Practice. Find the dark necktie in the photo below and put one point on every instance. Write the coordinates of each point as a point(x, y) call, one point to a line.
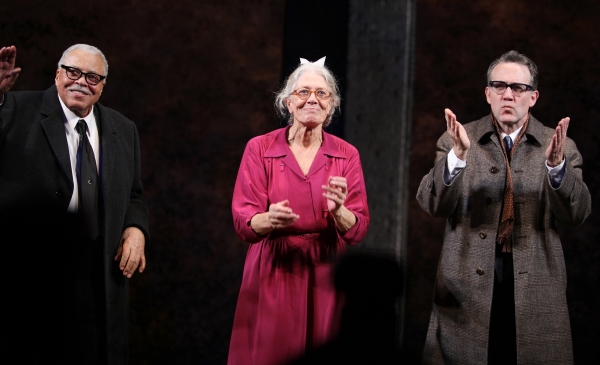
point(87, 176)
point(508, 144)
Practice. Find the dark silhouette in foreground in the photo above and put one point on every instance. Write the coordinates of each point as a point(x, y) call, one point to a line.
point(372, 284)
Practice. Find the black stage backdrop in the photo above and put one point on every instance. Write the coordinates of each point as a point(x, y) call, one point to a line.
point(198, 78)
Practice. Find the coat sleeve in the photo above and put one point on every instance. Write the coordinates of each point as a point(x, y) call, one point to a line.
point(137, 208)
point(6, 116)
point(434, 195)
point(2, 122)
point(250, 195)
point(571, 202)
point(356, 201)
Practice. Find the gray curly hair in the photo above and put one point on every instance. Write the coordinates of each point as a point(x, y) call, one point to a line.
point(290, 82)
point(87, 49)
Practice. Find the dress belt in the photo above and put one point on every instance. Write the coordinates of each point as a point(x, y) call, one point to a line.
point(308, 235)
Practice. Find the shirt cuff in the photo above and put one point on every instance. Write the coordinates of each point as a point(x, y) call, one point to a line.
point(453, 167)
point(556, 173)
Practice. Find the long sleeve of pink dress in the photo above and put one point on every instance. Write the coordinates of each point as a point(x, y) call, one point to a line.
point(287, 303)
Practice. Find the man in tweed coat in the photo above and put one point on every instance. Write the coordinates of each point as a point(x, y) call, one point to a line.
point(500, 290)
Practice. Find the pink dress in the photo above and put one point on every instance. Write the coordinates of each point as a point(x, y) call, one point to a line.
point(287, 303)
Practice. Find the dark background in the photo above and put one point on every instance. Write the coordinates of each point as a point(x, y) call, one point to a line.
point(198, 78)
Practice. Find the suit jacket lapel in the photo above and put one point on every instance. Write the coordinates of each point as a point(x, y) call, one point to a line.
point(108, 144)
point(53, 124)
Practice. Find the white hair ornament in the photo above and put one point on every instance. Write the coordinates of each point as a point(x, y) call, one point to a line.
point(320, 62)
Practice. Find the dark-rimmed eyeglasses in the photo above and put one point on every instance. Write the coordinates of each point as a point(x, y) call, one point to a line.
point(499, 87)
point(75, 74)
point(304, 93)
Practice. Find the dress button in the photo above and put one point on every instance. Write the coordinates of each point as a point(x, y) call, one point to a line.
point(89, 182)
point(480, 271)
point(493, 169)
point(59, 192)
point(482, 235)
point(488, 201)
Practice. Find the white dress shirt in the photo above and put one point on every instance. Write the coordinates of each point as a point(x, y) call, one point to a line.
point(73, 142)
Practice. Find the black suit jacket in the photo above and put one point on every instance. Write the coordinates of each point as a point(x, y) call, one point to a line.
point(41, 260)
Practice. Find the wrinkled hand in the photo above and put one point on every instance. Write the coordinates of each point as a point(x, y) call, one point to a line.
point(131, 251)
point(280, 215)
point(458, 134)
point(8, 72)
point(554, 153)
point(335, 192)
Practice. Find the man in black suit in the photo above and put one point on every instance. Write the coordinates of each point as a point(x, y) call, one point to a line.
point(67, 256)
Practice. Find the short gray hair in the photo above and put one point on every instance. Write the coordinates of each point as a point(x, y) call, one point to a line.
point(290, 82)
point(87, 49)
point(516, 57)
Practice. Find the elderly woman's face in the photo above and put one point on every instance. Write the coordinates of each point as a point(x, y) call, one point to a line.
point(314, 110)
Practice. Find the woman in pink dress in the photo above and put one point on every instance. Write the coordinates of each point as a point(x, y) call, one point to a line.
point(299, 200)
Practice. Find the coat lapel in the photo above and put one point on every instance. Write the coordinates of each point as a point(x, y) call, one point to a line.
point(53, 125)
point(529, 147)
point(489, 141)
point(108, 144)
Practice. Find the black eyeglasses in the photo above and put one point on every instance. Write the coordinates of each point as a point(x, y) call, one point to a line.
point(75, 74)
point(304, 93)
point(517, 89)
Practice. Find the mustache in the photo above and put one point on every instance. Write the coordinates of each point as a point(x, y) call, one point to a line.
point(80, 89)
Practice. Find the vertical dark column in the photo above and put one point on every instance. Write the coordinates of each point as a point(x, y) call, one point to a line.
point(379, 92)
point(370, 48)
point(313, 29)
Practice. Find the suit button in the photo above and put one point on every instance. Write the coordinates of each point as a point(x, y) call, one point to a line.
point(494, 169)
point(59, 192)
point(488, 201)
point(482, 235)
point(480, 271)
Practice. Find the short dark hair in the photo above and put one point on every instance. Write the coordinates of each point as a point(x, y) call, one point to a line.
point(516, 57)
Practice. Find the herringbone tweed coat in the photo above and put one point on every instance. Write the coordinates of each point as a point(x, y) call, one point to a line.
point(472, 203)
